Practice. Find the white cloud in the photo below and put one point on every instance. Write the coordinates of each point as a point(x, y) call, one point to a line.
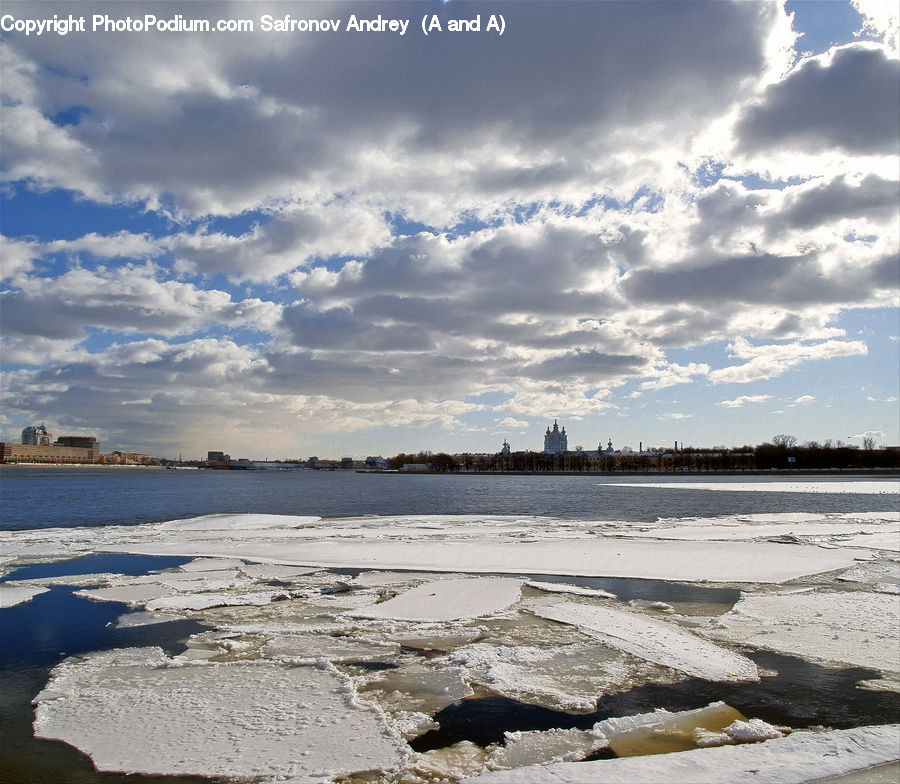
point(672, 374)
point(129, 298)
point(513, 423)
point(881, 16)
point(769, 361)
point(742, 400)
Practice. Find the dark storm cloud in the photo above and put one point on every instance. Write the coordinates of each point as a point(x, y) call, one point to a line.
point(852, 103)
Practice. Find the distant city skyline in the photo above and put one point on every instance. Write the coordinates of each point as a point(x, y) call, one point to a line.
point(654, 222)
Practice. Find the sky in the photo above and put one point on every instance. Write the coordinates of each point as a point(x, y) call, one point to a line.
point(652, 222)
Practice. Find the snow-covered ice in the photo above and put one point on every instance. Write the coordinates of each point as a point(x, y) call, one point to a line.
point(448, 600)
point(451, 607)
point(858, 627)
point(566, 677)
point(136, 710)
point(201, 601)
point(572, 589)
point(11, 595)
point(472, 545)
point(654, 640)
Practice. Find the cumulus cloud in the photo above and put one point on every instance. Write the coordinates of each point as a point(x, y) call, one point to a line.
point(489, 127)
point(293, 239)
point(846, 99)
point(126, 299)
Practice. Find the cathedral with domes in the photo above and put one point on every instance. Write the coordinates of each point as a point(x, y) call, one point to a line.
point(556, 442)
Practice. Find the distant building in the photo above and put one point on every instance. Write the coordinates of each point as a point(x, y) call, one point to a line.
point(556, 442)
point(81, 442)
point(217, 457)
point(49, 453)
point(377, 462)
point(37, 435)
point(507, 449)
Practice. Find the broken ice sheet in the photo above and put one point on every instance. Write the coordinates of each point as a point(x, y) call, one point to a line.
point(104, 578)
point(436, 640)
point(654, 640)
point(131, 620)
point(11, 595)
point(852, 627)
point(203, 600)
point(279, 572)
point(330, 647)
point(136, 710)
point(127, 594)
point(211, 564)
point(538, 748)
point(662, 732)
point(567, 677)
point(422, 686)
point(448, 600)
point(884, 572)
point(572, 589)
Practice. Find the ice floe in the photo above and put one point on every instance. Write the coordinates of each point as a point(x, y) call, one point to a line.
point(136, 710)
point(858, 627)
point(572, 589)
point(311, 647)
point(566, 677)
point(654, 640)
point(521, 749)
point(11, 595)
point(202, 601)
point(448, 600)
point(133, 595)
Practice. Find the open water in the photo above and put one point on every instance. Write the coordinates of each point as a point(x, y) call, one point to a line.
point(60, 497)
point(37, 635)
